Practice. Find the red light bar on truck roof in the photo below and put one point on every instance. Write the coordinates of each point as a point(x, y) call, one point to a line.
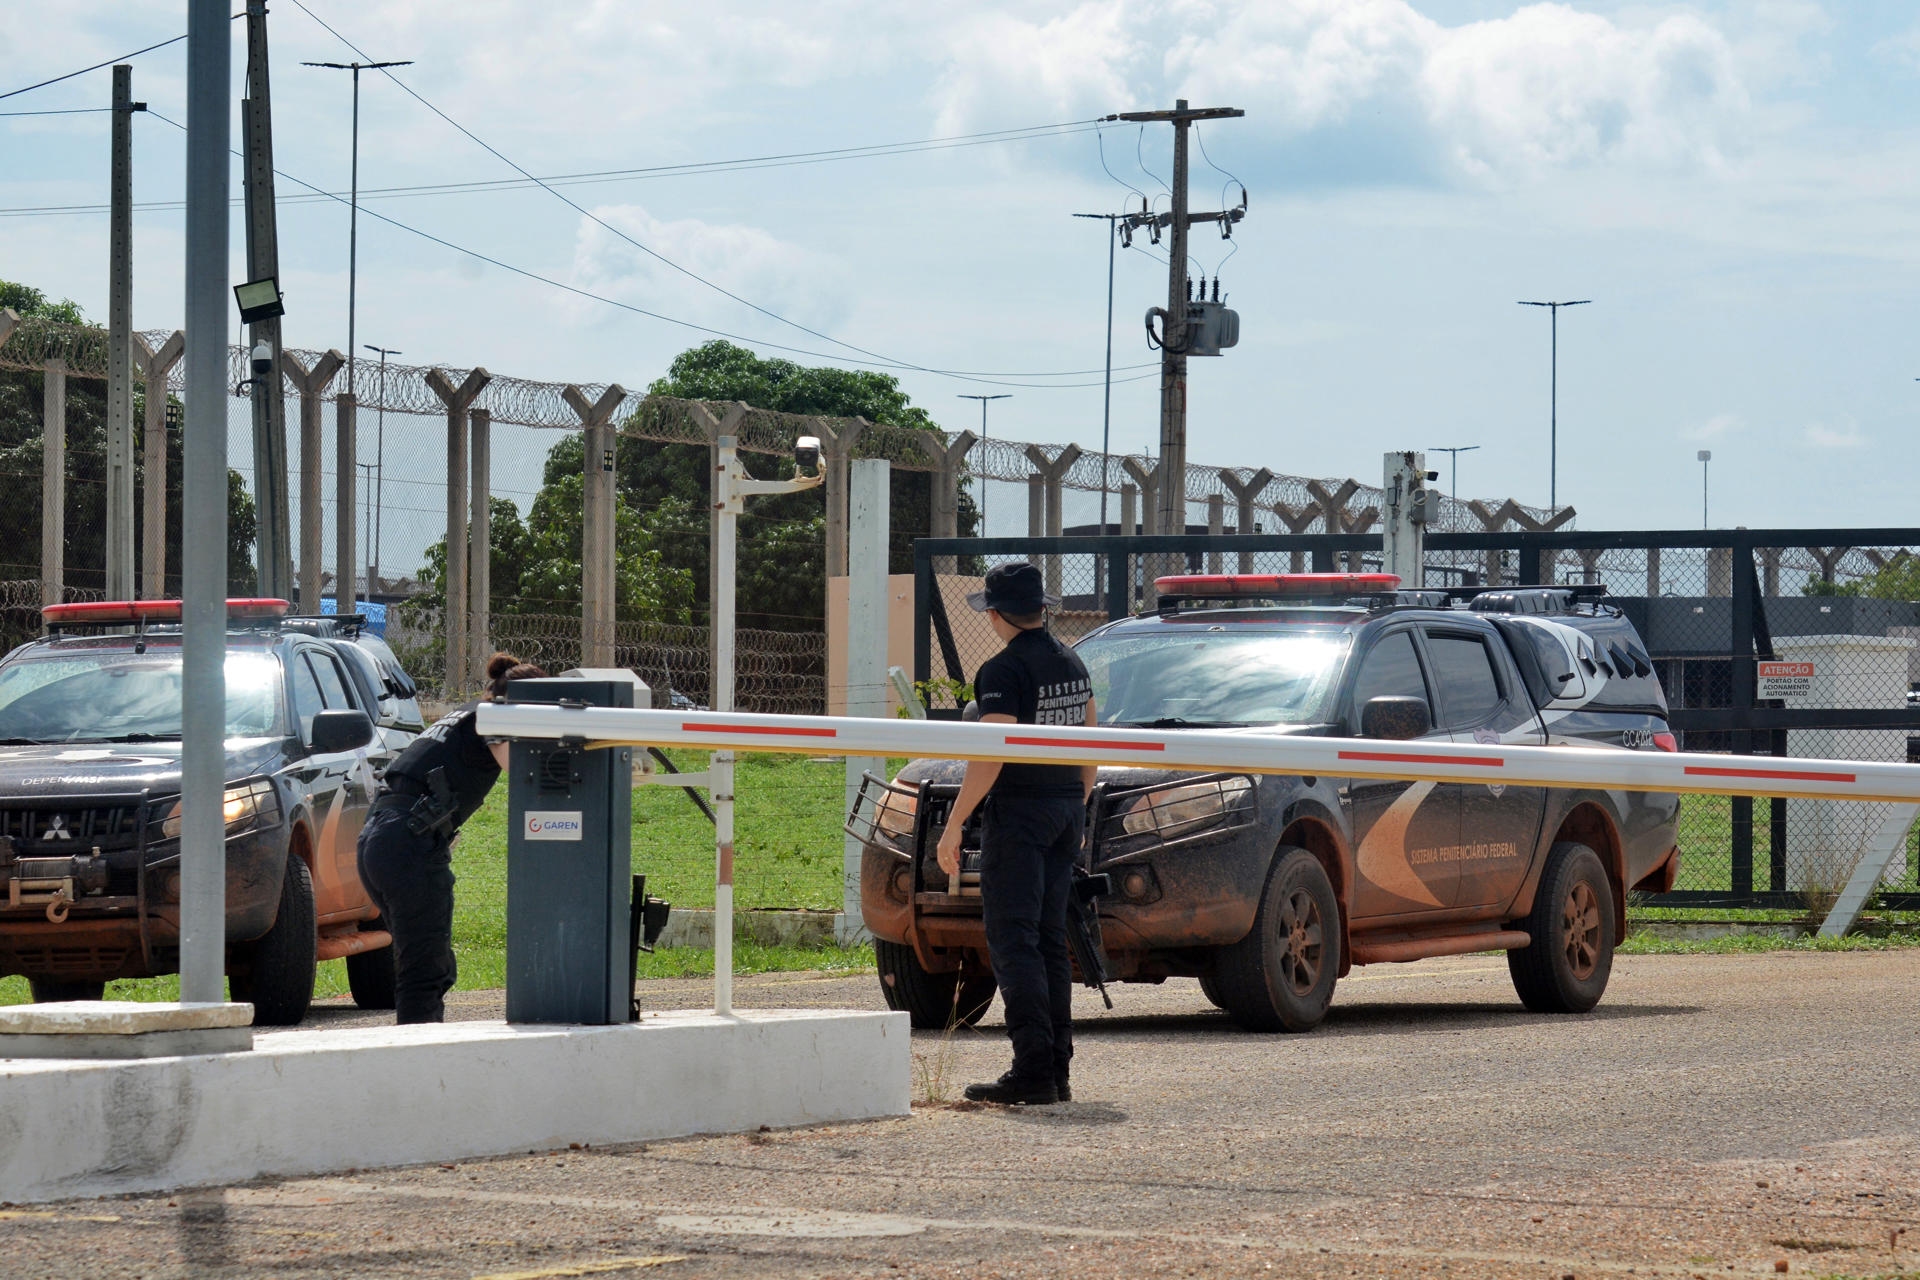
point(116, 612)
point(1203, 586)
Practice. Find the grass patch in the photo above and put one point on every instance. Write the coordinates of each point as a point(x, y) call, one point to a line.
point(1641, 944)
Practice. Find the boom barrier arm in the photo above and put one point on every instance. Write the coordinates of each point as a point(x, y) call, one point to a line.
point(1212, 750)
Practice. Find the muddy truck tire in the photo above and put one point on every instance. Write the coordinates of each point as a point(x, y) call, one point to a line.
point(1566, 967)
point(1280, 976)
point(50, 990)
point(931, 1001)
point(275, 972)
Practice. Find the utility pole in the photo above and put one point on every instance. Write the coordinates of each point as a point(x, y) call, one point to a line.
point(380, 468)
point(1704, 456)
point(1106, 413)
point(119, 557)
point(1008, 395)
point(1174, 337)
point(1553, 410)
point(275, 524)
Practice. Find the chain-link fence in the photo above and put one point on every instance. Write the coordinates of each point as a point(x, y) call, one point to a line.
point(1772, 643)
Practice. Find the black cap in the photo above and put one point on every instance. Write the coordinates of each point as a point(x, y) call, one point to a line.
point(1013, 588)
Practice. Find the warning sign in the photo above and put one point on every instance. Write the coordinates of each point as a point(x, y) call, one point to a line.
point(1786, 679)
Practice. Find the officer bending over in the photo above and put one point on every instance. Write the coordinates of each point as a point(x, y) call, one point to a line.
point(433, 787)
point(1031, 831)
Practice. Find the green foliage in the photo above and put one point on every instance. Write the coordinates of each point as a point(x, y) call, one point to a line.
point(959, 692)
point(29, 303)
point(1898, 579)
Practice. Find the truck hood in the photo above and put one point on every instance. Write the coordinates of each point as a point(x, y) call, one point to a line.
point(81, 769)
point(1116, 776)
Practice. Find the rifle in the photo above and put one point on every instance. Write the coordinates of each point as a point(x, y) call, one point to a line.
point(1083, 929)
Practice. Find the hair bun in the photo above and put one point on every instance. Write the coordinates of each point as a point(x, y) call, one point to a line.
point(499, 664)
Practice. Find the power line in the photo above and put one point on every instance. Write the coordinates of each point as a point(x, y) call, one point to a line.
point(884, 361)
point(598, 177)
point(962, 375)
point(70, 111)
point(95, 67)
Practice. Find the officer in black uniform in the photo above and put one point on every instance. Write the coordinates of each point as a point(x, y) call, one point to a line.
point(1031, 831)
point(405, 851)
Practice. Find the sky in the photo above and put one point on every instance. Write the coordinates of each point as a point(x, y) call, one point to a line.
point(1735, 186)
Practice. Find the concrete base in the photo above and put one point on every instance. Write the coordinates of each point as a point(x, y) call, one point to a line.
point(123, 1029)
point(143, 1044)
point(310, 1102)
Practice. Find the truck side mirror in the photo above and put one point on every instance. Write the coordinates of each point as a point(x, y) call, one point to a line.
point(1395, 719)
point(341, 731)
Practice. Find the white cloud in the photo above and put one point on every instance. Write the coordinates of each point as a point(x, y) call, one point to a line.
point(1823, 435)
point(1719, 426)
point(1902, 48)
point(792, 281)
point(1074, 65)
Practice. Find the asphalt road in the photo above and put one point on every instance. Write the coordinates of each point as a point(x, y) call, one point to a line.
point(1716, 1116)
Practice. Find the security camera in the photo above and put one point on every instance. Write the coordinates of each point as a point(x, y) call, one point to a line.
point(262, 358)
point(806, 454)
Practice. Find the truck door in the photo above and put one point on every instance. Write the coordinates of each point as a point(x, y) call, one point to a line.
point(341, 786)
point(1482, 701)
point(1400, 828)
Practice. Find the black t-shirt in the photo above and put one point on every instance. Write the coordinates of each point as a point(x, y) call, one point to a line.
point(1036, 680)
point(451, 744)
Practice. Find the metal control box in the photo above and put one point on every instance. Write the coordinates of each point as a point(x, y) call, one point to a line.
point(569, 865)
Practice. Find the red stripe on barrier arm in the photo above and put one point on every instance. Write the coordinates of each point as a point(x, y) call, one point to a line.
point(1101, 746)
point(760, 730)
point(1396, 757)
point(1784, 775)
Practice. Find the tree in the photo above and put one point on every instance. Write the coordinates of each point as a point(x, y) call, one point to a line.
point(1898, 579)
point(22, 404)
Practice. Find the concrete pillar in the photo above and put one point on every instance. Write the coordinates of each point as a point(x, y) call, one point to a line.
point(837, 438)
point(1296, 520)
point(1590, 565)
point(1151, 566)
point(480, 542)
point(9, 321)
point(310, 383)
point(119, 522)
point(458, 679)
point(1828, 558)
point(1720, 571)
point(53, 483)
point(1770, 571)
point(1333, 504)
point(1051, 474)
point(346, 477)
point(153, 367)
point(1359, 522)
point(866, 671)
point(1246, 500)
point(1216, 527)
point(1129, 521)
point(1492, 520)
point(1653, 573)
point(598, 509)
point(948, 457)
point(716, 427)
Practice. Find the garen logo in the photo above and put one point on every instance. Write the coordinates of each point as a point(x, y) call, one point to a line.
point(553, 824)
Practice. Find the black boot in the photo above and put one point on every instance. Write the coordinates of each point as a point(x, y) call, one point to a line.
point(1010, 1090)
point(1062, 1090)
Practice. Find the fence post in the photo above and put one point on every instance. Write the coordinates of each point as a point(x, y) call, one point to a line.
point(1770, 563)
point(1128, 522)
point(1216, 527)
point(1246, 499)
point(310, 383)
point(1149, 481)
point(944, 498)
point(53, 483)
point(457, 401)
point(598, 522)
point(479, 541)
point(1051, 474)
point(1745, 685)
point(837, 438)
point(346, 478)
point(1653, 573)
point(866, 656)
point(1296, 522)
point(154, 366)
point(1119, 585)
point(9, 321)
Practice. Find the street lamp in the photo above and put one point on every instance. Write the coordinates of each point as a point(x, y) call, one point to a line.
point(1553, 421)
point(983, 439)
point(353, 200)
point(380, 473)
point(1106, 413)
point(1453, 453)
point(1705, 456)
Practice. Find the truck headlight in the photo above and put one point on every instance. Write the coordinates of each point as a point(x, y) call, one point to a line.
point(894, 814)
point(1186, 810)
point(244, 806)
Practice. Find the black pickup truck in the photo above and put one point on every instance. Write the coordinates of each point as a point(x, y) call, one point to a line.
point(1270, 888)
point(90, 720)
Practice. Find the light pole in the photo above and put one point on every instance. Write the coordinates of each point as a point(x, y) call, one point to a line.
point(1453, 454)
point(983, 439)
point(380, 471)
point(366, 478)
point(1106, 413)
point(1553, 421)
point(1705, 456)
point(353, 200)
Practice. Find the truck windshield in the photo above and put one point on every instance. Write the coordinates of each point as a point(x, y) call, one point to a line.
point(1202, 679)
point(127, 697)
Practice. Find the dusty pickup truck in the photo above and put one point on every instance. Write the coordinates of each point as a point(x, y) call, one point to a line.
point(1268, 889)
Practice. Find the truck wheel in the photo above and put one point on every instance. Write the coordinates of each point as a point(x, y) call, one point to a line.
point(1210, 988)
point(370, 975)
point(48, 990)
point(1565, 969)
point(276, 971)
point(1280, 976)
point(931, 1001)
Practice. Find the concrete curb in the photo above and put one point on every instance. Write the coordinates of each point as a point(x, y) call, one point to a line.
point(694, 928)
point(1706, 930)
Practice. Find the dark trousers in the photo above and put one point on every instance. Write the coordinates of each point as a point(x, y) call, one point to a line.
point(1027, 849)
point(410, 878)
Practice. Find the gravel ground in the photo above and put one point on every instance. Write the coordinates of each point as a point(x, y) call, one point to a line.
point(1718, 1115)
